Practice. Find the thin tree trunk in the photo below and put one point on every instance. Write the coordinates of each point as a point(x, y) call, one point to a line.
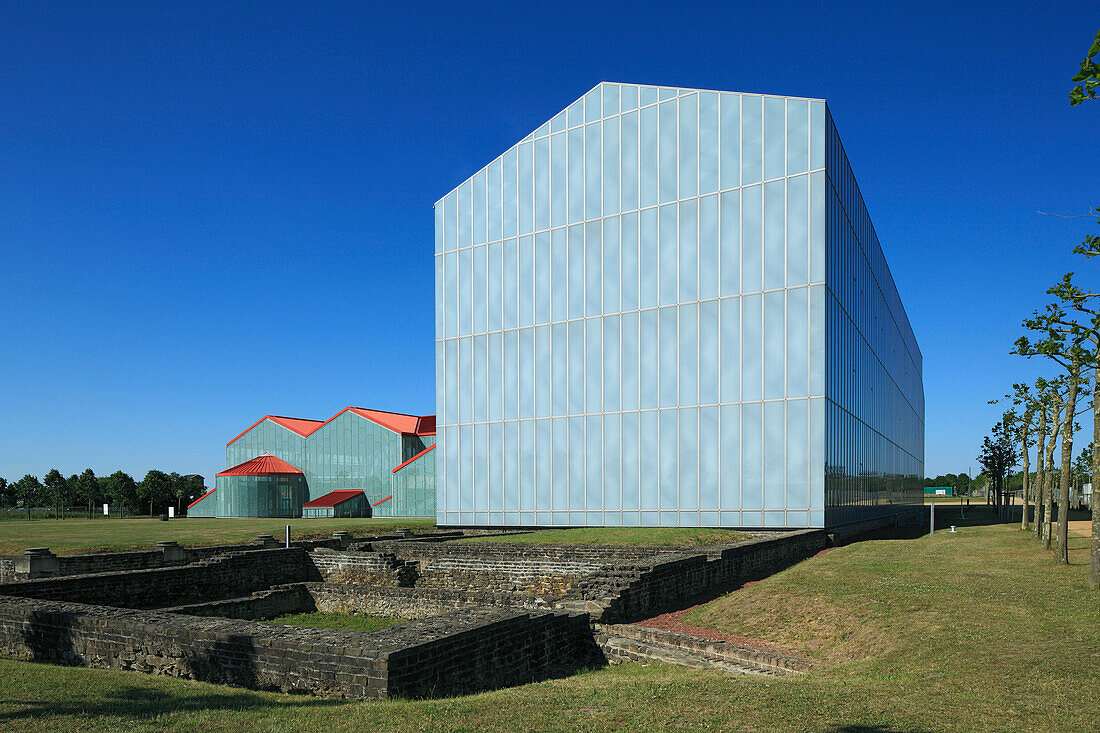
point(1040, 473)
point(1063, 479)
point(1094, 559)
point(1023, 495)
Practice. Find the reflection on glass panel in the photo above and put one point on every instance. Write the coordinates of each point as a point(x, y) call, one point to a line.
point(592, 105)
point(465, 213)
point(668, 450)
point(495, 374)
point(479, 288)
point(465, 284)
point(669, 357)
point(542, 183)
point(797, 444)
point(797, 233)
point(751, 347)
point(709, 457)
point(478, 378)
point(817, 227)
point(543, 384)
point(774, 247)
point(648, 258)
point(611, 166)
point(452, 396)
point(629, 96)
point(688, 455)
point(559, 356)
point(668, 255)
point(525, 182)
point(560, 479)
point(576, 463)
point(649, 156)
point(751, 142)
point(576, 113)
point(752, 431)
point(709, 152)
point(543, 467)
point(439, 227)
point(559, 174)
point(731, 242)
point(611, 376)
point(576, 271)
point(465, 380)
point(817, 453)
point(510, 385)
point(611, 264)
point(612, 454)
point(817, 340)
point(689, 354)
point(576, 175)
point(731, 349)
point(450, 270)
point(495, 286)
point(689, 251)
point(628, 178)
point(774, 465)
point(450, 230)
point(709, 352)
point(526, 464)
point(593, 333)
point(709, 247)
point(668, 151)
point(648, 465)
point(542, 277)
point(492, 196)
point(689, 145)
point(629, 460)
point(559, 276)
point(628, 270)
point(629, 369)
point(509, 201)
point(730, 140)
point(526, 376)
point(610, 99)
point(775, 137)
point(798, 136)
point(817, 135)
point(592, 171)
point(649, 357)
point(751, 238)
point(511, 466)
point(798, 341)
point(466, 468)
point(525, 284)
point(593, 257)
point(478, 207)
point(774, 343)
point(594, 462)
point(576, 367)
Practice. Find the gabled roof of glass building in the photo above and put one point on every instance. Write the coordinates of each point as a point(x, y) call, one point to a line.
point(333, 498)
point(265, 465)
point(576, 113)
point(396, 421)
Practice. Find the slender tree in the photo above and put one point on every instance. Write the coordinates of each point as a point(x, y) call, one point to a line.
point(28, 490)
point(56, 490)
point(998, 455)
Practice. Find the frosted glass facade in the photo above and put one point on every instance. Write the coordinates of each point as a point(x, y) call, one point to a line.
point(631, 321)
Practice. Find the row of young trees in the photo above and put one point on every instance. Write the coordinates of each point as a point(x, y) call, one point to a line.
point(1066, 333)
point(157, 491)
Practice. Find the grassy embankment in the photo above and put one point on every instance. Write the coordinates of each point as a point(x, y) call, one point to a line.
point(973, 631)
point(76, 536)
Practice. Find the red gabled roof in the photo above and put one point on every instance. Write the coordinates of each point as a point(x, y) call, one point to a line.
point(196, 501)
point(426, 450)
point(264, 465)
point(298, 425)
point(333, 498)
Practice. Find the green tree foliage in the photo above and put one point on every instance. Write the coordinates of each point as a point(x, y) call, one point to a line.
point(155, 490)
point(1088, 77)
point(28, 490)
point(56, 489)
point(7, 493)
point(85, 489)
point(998, 456)
point(120, 489)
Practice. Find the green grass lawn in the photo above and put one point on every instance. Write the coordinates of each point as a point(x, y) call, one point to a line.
point(76, 536)
point(977, 631)
point(668, 536)
point(344, 621)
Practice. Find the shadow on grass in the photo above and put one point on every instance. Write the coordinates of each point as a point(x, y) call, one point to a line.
point(874, 729)
point(146, 703)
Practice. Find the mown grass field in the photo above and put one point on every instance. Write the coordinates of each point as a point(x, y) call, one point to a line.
point(75, 536)
point(630, 536)
point(977, 631)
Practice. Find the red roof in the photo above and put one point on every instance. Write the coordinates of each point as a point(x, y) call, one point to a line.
point(196, 501)
point(333, 498)
point(396, 421)
point(264, 465)
point(429, 448)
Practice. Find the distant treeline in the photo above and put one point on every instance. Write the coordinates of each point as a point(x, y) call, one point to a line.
point(154, 493)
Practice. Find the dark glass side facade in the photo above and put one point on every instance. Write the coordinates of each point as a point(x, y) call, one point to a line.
point(874, 391)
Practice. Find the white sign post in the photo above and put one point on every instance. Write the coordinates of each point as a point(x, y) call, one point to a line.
point(171, 512)
point(106, 510)
point(932, 520)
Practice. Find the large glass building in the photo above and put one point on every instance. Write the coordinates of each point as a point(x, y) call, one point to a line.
point(358, 462)
point(668, 307)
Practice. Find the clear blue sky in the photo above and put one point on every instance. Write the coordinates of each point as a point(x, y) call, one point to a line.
point(209, 213)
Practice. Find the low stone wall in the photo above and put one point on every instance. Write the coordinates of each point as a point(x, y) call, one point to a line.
point(540, 577)
point(363, 568)
point(411, 603)
point(277, 601)
point(207, 580)
point(477, 650)
point(600, 554)
point(7, 569)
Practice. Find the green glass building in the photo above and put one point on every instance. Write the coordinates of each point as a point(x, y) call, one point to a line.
point(279, 464)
